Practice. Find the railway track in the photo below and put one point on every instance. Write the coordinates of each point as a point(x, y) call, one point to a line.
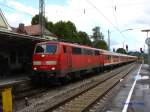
point(21, 100)
point(82, 102)
point(55, 101)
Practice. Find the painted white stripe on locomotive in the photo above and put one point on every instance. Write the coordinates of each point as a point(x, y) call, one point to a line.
point(37, 62)
point(51, 62)
point(46, 63)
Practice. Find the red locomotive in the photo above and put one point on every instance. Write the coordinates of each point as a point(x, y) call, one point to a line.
point(60, 59)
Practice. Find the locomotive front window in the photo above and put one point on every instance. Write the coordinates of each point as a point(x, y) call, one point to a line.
point(46, 49)
point(51, 49)
point(40, 49)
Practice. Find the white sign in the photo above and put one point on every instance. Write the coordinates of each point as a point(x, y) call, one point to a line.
point(147, 41)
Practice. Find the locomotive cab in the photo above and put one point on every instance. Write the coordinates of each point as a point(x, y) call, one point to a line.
point(45, 59)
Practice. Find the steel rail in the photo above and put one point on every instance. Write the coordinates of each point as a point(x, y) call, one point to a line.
point(81, 96)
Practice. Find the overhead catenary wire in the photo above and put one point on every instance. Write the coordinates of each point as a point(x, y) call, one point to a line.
point(11, 8)
point(29, 14)
point(115, 8)
point(100, 12)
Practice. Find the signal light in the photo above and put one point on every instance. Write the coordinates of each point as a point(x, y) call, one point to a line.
point(126, 47)
point(42, 55)
point(141, 50)
point(34, 68)
point(53, 68)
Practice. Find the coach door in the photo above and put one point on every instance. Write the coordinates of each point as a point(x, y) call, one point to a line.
point(102, 59)
point(69, 57)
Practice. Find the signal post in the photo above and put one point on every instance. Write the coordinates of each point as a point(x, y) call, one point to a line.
point(147, 41)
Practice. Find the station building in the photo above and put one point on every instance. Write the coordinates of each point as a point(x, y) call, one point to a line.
point(17, 47)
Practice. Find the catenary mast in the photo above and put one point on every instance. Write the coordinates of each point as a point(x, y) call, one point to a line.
point(42, 16)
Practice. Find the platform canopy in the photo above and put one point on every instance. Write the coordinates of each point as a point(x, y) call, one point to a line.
point(9, 39)
point(3, 23)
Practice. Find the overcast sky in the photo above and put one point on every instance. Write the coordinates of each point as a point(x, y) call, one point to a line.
point(115, 15)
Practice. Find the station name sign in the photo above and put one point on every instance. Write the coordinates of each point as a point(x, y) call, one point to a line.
point(147, 41)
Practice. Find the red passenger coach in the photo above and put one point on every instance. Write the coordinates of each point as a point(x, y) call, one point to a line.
point(59, 59)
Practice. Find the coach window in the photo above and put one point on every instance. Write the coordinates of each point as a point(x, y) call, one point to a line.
point(96, 52)
point(88, 52)
point(76, 50)
point(64, 49)
point(108, 57)
point(84, 51)
point(92, 52)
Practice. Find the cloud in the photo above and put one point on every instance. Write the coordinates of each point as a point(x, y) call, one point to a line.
point(17, 18)
point(141, 13)
point(108, 14)
point(22, 8)
point(85, 15)
point(113, 42)
point(143, 19)
point(19, 13)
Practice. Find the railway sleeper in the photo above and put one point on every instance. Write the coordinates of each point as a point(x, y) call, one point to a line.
point(83, 101)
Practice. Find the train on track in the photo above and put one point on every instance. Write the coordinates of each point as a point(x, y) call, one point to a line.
point(62, 60)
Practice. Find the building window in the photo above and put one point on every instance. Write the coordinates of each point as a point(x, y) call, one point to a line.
point(13, 57)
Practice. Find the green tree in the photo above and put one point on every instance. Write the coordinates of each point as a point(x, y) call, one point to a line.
point(67, 30)
point(60, 29)
point(35, 20)
point(84, 38)
point(64, 30)
point(98, 38)
point(101, 44)
point(121, 50)
point(71, 28)
point(50, 26)
point(97, 35)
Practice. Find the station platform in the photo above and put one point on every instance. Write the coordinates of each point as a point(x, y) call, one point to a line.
point(7, 84)
point(134, 94)
point(13, 80)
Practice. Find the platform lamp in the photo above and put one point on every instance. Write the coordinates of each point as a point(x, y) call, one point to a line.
point(147, 41)
point(124, 40)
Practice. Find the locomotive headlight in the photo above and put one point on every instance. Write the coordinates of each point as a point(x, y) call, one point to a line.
point(34, 68)
point(42, 55)
point(53, 68)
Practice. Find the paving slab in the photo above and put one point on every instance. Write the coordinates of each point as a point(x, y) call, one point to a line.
point(140, 96)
